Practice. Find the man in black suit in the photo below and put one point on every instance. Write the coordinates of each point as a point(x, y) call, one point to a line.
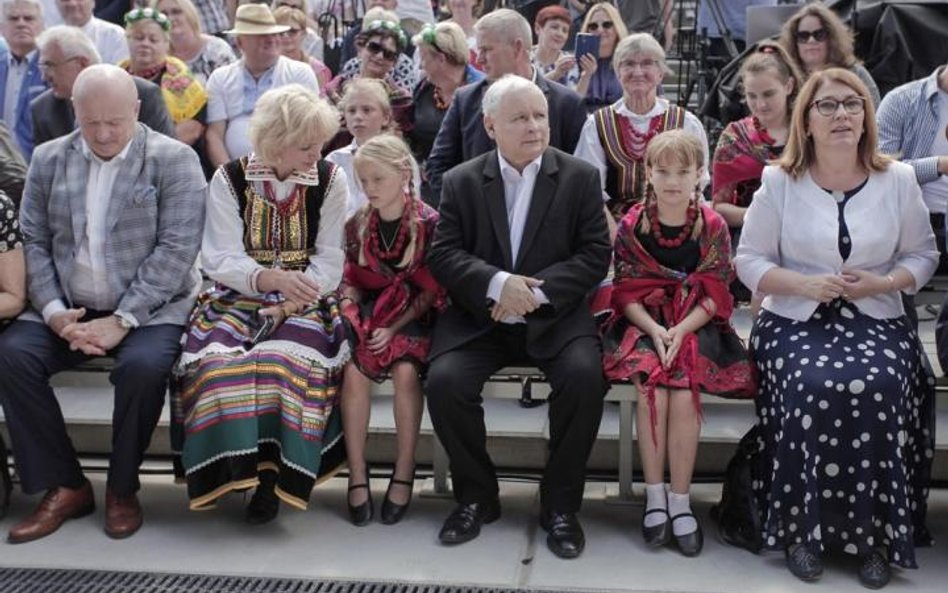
point(504, 39)
point(518, 297)
point(64, 53)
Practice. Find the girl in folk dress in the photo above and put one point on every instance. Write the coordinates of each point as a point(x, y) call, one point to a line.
point(388, 295)
point(671, 333)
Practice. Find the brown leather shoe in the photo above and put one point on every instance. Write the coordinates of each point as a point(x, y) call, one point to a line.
point(123, 515)
point(57, 506)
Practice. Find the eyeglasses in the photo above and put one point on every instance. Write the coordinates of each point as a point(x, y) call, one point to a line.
point(594, 26)
point(828, 107)
point(818, 35)
point(46, 65)
point(632, 64)
point(377, 48)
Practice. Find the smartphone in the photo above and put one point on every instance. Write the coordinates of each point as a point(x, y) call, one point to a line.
point(266, 326)
point(587, 44)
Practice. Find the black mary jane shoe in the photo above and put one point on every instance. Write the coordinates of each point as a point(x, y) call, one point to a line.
point(689, 544)
point(565, 536)
point(264, 504)
point(362, 514)
point(874, 573)
point(465, 521)
point(803, 563)
point(393, 512)
point(656, 535)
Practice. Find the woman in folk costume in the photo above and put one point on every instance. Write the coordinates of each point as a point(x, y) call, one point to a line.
point(671, 332)
point(388, 297)
point(257, 383)
point(614, 138)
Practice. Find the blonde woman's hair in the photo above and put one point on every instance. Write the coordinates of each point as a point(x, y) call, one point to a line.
point(772, 57)
point(390, 152)
point(190, 11)
point(290, 115)
point(839, 41)
point(800, 154)
point(374, 88)
point(680, 148)
point(447, 39)
point(621, 30)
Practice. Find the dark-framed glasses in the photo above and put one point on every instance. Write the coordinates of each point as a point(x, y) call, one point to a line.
point(828, 107)
point(818, 35)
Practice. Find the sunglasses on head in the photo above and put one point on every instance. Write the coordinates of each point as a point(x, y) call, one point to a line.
point(377, 48)
point(594, 26)
point(817, 35)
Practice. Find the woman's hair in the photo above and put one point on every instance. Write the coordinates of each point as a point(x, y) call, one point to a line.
point(374, 88)
point(190, 11)
point(772, 57)
point(391, 152)
point(621, 30)
point(553, 13)
point(136, 17)
point(639, 43)
point(379, 22)
point(839, 41)
point(290, 115)
point(294, 18)
point(799, 154)
point(447, 39)
point(680, 148)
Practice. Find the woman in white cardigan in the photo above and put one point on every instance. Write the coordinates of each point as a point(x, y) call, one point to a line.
point(835, 232)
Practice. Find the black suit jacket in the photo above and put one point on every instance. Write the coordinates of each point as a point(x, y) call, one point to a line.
point(565, 243)
point(462, 135)
point(54, 117)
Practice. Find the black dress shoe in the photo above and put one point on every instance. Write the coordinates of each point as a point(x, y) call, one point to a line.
point(689, 544)
point(392, 512)
point(264, 504)
point(362, 514)
point(464, 522)
point(874, 572)
point(657, 535)
point(803, 563)
point(564, 533)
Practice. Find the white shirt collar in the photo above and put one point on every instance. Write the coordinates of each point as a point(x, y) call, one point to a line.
point(258, 171)
point(660, 107)
point(510, 173)
point(87, 152)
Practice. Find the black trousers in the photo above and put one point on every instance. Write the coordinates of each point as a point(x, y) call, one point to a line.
point(453, 388)
point(30, 353)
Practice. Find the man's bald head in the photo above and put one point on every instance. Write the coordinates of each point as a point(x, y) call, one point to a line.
point(106, 103)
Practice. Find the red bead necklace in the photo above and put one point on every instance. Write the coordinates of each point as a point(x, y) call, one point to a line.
point(691, 215)
point(401, 238)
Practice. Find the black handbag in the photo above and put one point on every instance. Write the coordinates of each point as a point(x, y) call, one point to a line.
point(6, 483)
point(737, 514)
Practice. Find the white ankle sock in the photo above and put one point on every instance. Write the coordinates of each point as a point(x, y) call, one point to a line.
point(678, 504)
point(655, 499)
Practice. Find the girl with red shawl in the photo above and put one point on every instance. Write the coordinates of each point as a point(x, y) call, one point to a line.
point(670, 333)
point(388, 297)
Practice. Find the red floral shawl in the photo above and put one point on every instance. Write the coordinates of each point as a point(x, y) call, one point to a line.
point(743, 150)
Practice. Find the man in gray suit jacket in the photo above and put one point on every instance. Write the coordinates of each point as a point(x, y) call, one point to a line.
point(64, 53)
point(112, 218)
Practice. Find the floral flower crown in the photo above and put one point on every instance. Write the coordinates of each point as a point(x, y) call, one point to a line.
point(377, 25)
point(140, 14)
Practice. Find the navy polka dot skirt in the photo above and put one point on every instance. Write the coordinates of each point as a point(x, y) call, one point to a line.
point(846, 412)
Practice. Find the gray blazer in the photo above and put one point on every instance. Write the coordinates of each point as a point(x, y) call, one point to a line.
point(155, 221)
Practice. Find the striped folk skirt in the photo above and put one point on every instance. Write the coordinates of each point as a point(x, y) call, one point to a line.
point(239, 408)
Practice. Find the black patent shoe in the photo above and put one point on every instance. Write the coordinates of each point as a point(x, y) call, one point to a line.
point(464, 522)
point(803, 563)
point(565, 536)
point(264, 504)
point(362, 514)
point(689, 544)
point(656, 535)
point(874, 572)
point(393, 512)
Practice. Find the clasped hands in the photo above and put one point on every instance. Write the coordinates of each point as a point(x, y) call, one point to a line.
point(667, 343)
point(850, 284)
point(296, 287)
point(516, 298)
point(95, 337)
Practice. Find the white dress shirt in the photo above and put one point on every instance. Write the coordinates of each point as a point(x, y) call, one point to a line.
point(794, 224)
point(590, 148)
point(935, 193)
point(89, 283)
point(343, 157)
point(518, 194)
point(108, 38)
point(223, 256)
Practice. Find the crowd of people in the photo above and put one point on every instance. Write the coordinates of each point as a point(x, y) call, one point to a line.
point(429, 202)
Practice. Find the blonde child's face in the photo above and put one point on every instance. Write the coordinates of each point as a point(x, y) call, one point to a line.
point(383, 184)
point(365, 118)
point(674, 181)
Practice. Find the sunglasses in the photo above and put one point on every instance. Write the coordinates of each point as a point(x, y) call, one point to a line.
point(376, 48)
point(828, 107)
point(594, 26)
point(818, 35)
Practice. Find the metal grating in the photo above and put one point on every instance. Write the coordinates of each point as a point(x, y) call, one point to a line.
point(42, 580)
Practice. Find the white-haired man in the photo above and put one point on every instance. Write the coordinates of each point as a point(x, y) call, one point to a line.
point(107, 37)
point(20, 78)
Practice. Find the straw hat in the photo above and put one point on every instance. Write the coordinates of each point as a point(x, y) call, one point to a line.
point(256, 19)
